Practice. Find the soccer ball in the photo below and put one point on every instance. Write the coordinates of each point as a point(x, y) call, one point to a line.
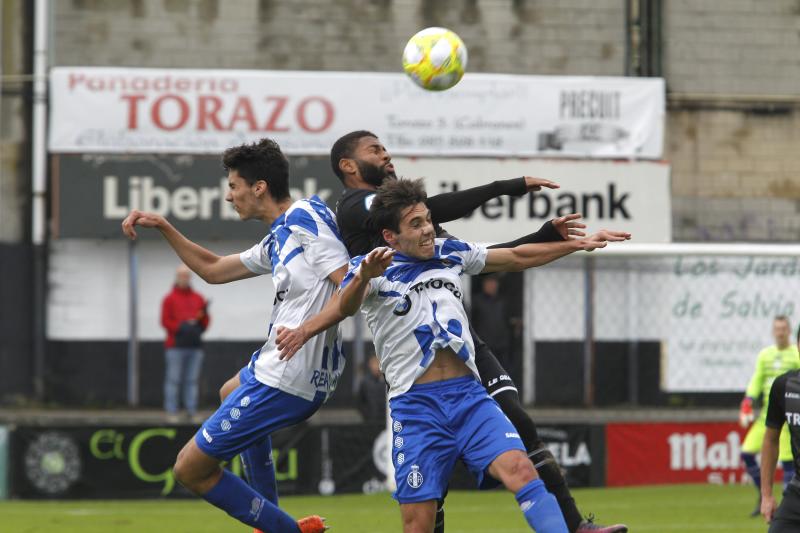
point(435, 58)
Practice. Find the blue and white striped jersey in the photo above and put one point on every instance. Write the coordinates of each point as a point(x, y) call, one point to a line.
point(301, 250)
point(416, 307)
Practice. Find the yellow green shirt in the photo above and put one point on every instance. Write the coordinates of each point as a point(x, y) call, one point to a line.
point(770, 364)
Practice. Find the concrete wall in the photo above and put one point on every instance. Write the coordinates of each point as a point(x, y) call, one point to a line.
point(734, 173)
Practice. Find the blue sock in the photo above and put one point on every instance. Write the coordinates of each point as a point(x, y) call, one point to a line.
point(541, 508)
point(788, 472)
point(752, 468)
point(259, 470)
point(235, 497)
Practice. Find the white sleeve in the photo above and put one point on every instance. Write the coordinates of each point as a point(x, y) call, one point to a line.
point(471, 255)
point(322, 247)
point(256, 259)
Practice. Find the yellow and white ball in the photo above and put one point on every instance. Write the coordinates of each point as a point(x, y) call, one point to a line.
point(435, 58)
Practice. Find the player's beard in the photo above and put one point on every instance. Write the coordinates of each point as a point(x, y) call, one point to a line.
point(373, 174)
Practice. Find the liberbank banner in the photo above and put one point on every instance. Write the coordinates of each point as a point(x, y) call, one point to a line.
point(124, 110)
point(95, 192)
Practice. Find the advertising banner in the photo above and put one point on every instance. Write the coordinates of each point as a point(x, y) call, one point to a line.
point(740, 296)
point(95, 192)
point(127, 110)
point(136, 461)
point(663, 453)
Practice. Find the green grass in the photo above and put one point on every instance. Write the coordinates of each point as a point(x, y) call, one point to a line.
point(685, 508)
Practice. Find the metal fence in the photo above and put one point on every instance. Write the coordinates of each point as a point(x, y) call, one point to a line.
point(688, 319)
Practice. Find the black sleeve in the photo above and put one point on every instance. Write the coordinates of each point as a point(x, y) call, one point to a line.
point(457, 204)
point(354, 221)
point(547, 233)
point(776, 412)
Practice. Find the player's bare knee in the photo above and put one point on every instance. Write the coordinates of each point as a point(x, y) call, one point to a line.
point(516, 471)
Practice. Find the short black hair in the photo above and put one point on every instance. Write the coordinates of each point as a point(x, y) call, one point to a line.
point(391, 199)
point(262, 160)
point(344, 147)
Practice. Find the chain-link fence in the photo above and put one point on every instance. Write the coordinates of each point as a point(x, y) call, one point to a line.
point(650, 325)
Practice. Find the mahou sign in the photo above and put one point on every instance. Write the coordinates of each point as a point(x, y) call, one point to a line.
point(124, 110)
point(645, 454)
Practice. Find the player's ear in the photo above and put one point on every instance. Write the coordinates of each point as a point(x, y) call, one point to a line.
point(390, 237)
point(260, 188)
point(348, 166)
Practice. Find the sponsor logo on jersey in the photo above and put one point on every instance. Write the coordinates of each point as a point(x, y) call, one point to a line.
point(415, 478)
point(793, 419)
point(245, 401)
point(225, 425)
point(791, 395)
point(401, 458)
point(397, 426)
point(398, 442)
point(207, 436)
point(280, 296)
point(322, 379)
point(404, 306)
point(512, 435)
point(235, 413)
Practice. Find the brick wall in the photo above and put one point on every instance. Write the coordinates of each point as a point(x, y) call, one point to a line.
point(517, 36)
point(732, 46)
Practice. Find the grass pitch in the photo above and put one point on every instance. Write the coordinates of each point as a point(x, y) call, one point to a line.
point(686, 508)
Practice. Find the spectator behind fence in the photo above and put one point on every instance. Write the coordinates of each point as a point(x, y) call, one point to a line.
point(372, 393)
point(184, 315)
point(490, 319)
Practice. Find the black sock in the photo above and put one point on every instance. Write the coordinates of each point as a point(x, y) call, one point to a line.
point(542, 459)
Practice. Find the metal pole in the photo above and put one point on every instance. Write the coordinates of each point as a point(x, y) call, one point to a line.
point(39, 191)
point(633, 336)
point(528, 339)
point(133, 326)
point(588, 341)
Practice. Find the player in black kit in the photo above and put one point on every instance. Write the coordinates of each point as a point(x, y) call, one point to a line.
point(784, 407)
point(362, 163)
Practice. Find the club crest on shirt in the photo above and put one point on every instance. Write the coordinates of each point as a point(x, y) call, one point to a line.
point(403, 306)
point(415, 478)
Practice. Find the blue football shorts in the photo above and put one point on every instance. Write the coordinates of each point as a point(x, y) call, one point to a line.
point(249, 413)
point(434, 425)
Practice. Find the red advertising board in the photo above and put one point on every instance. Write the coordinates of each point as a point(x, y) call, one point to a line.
point(663, 453)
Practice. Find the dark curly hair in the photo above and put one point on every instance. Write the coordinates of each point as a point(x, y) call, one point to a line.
point(262, 160)
point(343, 149)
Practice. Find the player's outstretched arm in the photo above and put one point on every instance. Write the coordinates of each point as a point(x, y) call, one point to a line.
point(211, 267)
point(375, 264)
point(769, 458)
point(558, 229)
point(290, 340)
point(533, 255)
point(449, 206)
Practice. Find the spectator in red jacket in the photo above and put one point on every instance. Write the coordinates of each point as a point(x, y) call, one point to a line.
point(184, 315)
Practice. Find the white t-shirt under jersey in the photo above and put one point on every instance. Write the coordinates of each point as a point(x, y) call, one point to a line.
point(416, 307)
point(301, 250)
